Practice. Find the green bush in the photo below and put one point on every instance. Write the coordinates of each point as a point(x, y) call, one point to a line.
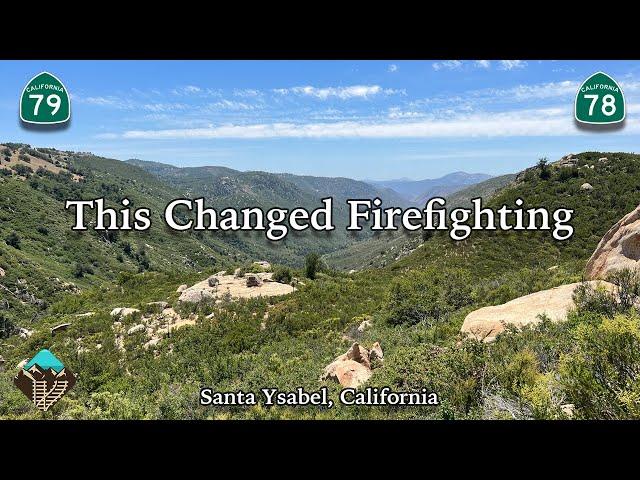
point(427, 296)
point(13, 240)
point(282, 274)
point(80, 269)
point(601, 377)
point(596, 300)
point(23, 170)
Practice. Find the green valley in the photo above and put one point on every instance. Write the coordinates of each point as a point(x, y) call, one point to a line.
point(408, 299)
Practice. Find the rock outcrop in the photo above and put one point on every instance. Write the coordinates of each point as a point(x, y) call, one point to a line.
point(618, 249)
point(232, 286)
point(24, 332)
point(194, 295)
point(182, 288)
point(352, 368)
point(59, 328)
point(375, 354)
point(253, 281)
point(122, 312)
point(364, 325)
point(136, 328)
point(486, 323)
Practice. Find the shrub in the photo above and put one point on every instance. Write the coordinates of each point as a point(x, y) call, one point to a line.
point(427, 296)
point(23, 170)
point(80, 269)
point(312, 265)
point(282, 274)
point(596, 300)
point(628, 282)
point(13, 240)
point(601, 377)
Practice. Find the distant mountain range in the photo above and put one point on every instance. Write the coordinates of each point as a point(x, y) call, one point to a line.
point(417, 192)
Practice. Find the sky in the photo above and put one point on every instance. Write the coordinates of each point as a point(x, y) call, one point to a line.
point(359, 119)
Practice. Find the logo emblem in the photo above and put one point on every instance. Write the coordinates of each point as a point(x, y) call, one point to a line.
point(600, 100)
point(44, 380)
point(45, 101)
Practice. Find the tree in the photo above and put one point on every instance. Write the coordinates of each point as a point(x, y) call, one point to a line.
point(13, 240)
point(545, 171)
point(312, 265)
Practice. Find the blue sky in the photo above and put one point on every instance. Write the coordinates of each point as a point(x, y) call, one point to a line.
point(359, 119)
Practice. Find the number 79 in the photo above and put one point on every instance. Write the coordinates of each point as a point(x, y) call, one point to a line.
point(53, 101)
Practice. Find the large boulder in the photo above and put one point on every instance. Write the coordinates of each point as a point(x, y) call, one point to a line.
point(486, 323)
point(353, 368)
point(348, 373)
point(213, 281)
point(618, 249)
point(253, 281)
point(182, 288)
point(195, 295)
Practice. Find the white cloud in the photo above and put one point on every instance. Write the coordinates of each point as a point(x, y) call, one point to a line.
point(536, 92)
point(105, 101)
point(512, 64)
point(392, 68)
point(447, 64)
point(482, 63)
point(397, 112)
point(164, 107)
point(186, 90)
point(232, 105)
point(521, 123)
point(343, 93)
point(247, 93)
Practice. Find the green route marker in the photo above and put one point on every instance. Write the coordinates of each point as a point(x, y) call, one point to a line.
point(45, 101)
point(600, 101)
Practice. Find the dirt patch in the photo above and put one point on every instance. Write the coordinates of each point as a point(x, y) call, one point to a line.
point(235, 287)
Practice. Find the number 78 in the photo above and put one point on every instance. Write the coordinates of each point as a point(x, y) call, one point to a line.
point(608, 104)
point(53, 101)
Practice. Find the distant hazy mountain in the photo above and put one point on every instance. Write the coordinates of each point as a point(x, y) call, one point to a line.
point(264, 188)
point(418, 191)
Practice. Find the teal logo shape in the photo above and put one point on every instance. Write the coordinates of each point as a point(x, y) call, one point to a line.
point(600, 101)
point(45, 101)
point(44, 380)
